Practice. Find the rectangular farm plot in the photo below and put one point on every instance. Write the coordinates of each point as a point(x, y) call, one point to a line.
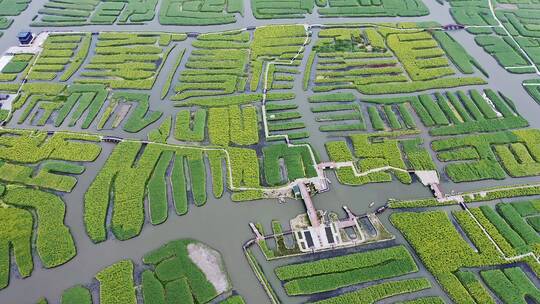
point(86, 12)
point(17, 67)
point(372, 8)
point(205, 12)
point(337, 112)
point(342, 271)
point(268, 9)
point(383, 60)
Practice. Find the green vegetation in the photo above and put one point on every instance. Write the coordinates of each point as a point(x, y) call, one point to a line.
point(359, 58)
point(34, 162)
point(202, 78)
point(444, 251)
point(517, 17)
point(265, 9)
point(374, 151)
point(490, 153)
point(16, 233)
point(170, 274)
point(375, 293)
point(511, 285)
point(233, 125)
point(532, 89)
point(207, 12)
point(126, 175)
point(464, 62)
point(77, 13)
point(162, 133)
point(175, 271)
point(190, 126)
point(76, 295)
point(125, 61)
point(62, 55)
point(333, 273)
point(11, 8)
point(116, 283)
point(297, 160)
point(172, 73)
point(474, 287)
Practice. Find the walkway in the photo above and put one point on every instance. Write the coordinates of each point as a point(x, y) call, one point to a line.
point(311, 211)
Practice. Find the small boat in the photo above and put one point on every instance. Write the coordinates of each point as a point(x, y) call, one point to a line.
point(371, 204)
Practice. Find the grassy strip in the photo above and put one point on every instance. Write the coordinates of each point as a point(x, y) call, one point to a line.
point(375, 293)
point(307, 71)
point(170, 77)
point(116, 284)
point(334, 273)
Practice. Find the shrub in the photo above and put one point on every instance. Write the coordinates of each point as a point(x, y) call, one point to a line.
point(77, 295)
point(116, 284)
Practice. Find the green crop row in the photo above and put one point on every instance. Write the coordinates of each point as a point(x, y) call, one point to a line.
point(190, 126)
point(201, 78)
point(234, 124)
point(125, 61)
point(443, 250)
point(514, 151)
point(334, 273)
point(511, 285)
point(474, 287)
point(459, 56)
point(298, 163)
point(126, 176)
point(53, 241)
point(207, 12)
point(379, 292)
point(78, 13)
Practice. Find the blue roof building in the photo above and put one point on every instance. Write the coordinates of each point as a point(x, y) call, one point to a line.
point(25, 37)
